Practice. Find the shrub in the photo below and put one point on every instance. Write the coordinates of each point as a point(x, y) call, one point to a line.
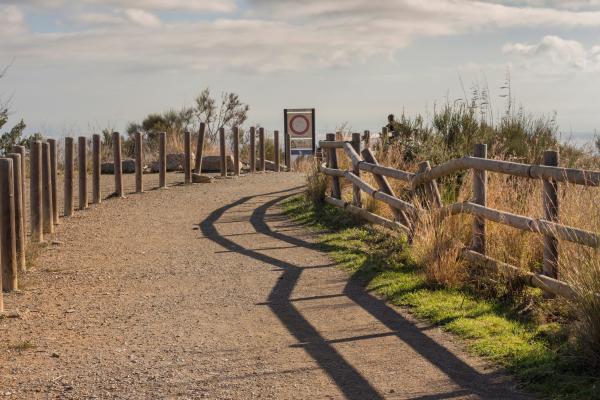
point(316, 184)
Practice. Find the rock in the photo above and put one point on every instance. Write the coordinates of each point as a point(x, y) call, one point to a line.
point(175, 162)
point(213, 163)
point(127, 165)
point(198, 178)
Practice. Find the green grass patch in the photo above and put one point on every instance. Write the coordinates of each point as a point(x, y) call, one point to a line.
point(539, 355)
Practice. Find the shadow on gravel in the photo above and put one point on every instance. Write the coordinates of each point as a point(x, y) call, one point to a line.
point(348, 379)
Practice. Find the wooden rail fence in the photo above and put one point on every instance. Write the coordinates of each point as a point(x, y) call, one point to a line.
point(43, 173)
point(424, 185)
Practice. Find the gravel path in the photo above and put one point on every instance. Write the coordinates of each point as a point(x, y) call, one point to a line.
point(207, 291)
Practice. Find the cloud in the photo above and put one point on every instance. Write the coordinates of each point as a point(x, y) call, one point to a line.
point(156, 5)
point(277, 35)
point(553, 54)
point(12, 20)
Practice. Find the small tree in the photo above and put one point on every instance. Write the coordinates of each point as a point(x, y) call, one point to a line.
point(228, 113)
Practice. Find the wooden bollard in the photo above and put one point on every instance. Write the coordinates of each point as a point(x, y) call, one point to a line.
point(35, 191)
point(252, 155)
point(356, 195)
point(162, 159)
point(236, 151)
point(82, 171)
point(139, 157)
point(367, 139)
point(222, 149)
point(551, 213)
point(8, 245)
point(117, 164)
point(47, 214)
point(22, 151)
point(479, 197)
point(261, 149)
point(288, 152)
point(384, 136)
point(336, 190)
point(200, 148)
point(276, 159)
point(19, 202)
point(53, 179)
point(96, 159)
point(69, 150)
point(187, 157)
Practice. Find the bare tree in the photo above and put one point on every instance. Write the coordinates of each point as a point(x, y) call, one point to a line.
point(228, 113)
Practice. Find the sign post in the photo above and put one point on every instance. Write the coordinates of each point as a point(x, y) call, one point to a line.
point(300, 129)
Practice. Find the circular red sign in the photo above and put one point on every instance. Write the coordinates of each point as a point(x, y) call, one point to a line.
point(299, 125)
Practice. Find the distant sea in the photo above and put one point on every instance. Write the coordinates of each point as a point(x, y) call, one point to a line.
point(579, 139)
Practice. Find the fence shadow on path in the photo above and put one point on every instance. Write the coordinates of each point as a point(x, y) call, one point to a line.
point(347, 378)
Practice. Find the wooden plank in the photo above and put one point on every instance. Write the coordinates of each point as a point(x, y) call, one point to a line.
point(331, 144)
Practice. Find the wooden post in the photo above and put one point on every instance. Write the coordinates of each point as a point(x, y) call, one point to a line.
point(200, 148)
point(385, 187)
point(18, 205)
point(21, 150)
point(53, 179)
point(117, 164)
point(162, 159)
point(367, 139)
point(336, 190)
point(8, 244)
point(139, 157)
point(479, 197)
point(551, 213)
point(69, 150)
point(187, 157)
point(356, 195)
point(35, 191)
point(288, 152)
point(261, 149)
point(384, 137)
point(236, 151)
point(96, 151)
point(222, 149)
point(82, 171)
point(47, 190)
point(432, 194)
point(276, 150)
point(252, 149)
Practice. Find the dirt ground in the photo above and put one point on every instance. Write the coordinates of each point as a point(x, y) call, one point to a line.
point(208, 291)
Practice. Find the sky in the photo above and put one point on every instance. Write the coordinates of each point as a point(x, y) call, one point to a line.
point(78, 66)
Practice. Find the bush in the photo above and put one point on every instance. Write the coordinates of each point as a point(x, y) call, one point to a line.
point(316, 184)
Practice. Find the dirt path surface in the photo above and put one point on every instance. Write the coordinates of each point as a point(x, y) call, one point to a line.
point(207, 291)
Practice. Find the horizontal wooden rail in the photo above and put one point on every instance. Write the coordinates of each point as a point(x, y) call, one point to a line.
point(370, 217)
point(326, 144)
point(331, 171)
point(543, 282)
point(386, 171)
point(544, 227)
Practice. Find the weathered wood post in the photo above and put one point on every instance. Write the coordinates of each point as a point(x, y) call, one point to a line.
point(222, 149)
point(187, 157)
point(384, 137)
point(336, 190)
point(252, 149)
point(47, 190)
point(385, 187)
point(261, 149)
point(276, 150)
point(96, 159)
point(139, 157)
point(356, 195)
point(200, 148)
point(236, 151)
point(117, 164)
point(431, 192)
point(82, 171)
point(21, 150)
point(162, 159)
point(8, 244)
point(69, 150)
point(551, 213)
point(18, 205)
point(288, 152)
point(479, 197)
point(53, 179)
point(35, 191)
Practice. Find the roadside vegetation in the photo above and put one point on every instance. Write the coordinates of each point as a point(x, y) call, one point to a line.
point(550, 344)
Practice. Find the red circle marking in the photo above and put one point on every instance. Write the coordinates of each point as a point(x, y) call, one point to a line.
point(299, 131)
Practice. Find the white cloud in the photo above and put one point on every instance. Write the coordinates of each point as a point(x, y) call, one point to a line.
point(142, 18)
point(157, 5)
point(553, 54)
point(12, 20)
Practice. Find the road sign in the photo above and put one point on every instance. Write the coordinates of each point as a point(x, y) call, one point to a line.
point(300, 126)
